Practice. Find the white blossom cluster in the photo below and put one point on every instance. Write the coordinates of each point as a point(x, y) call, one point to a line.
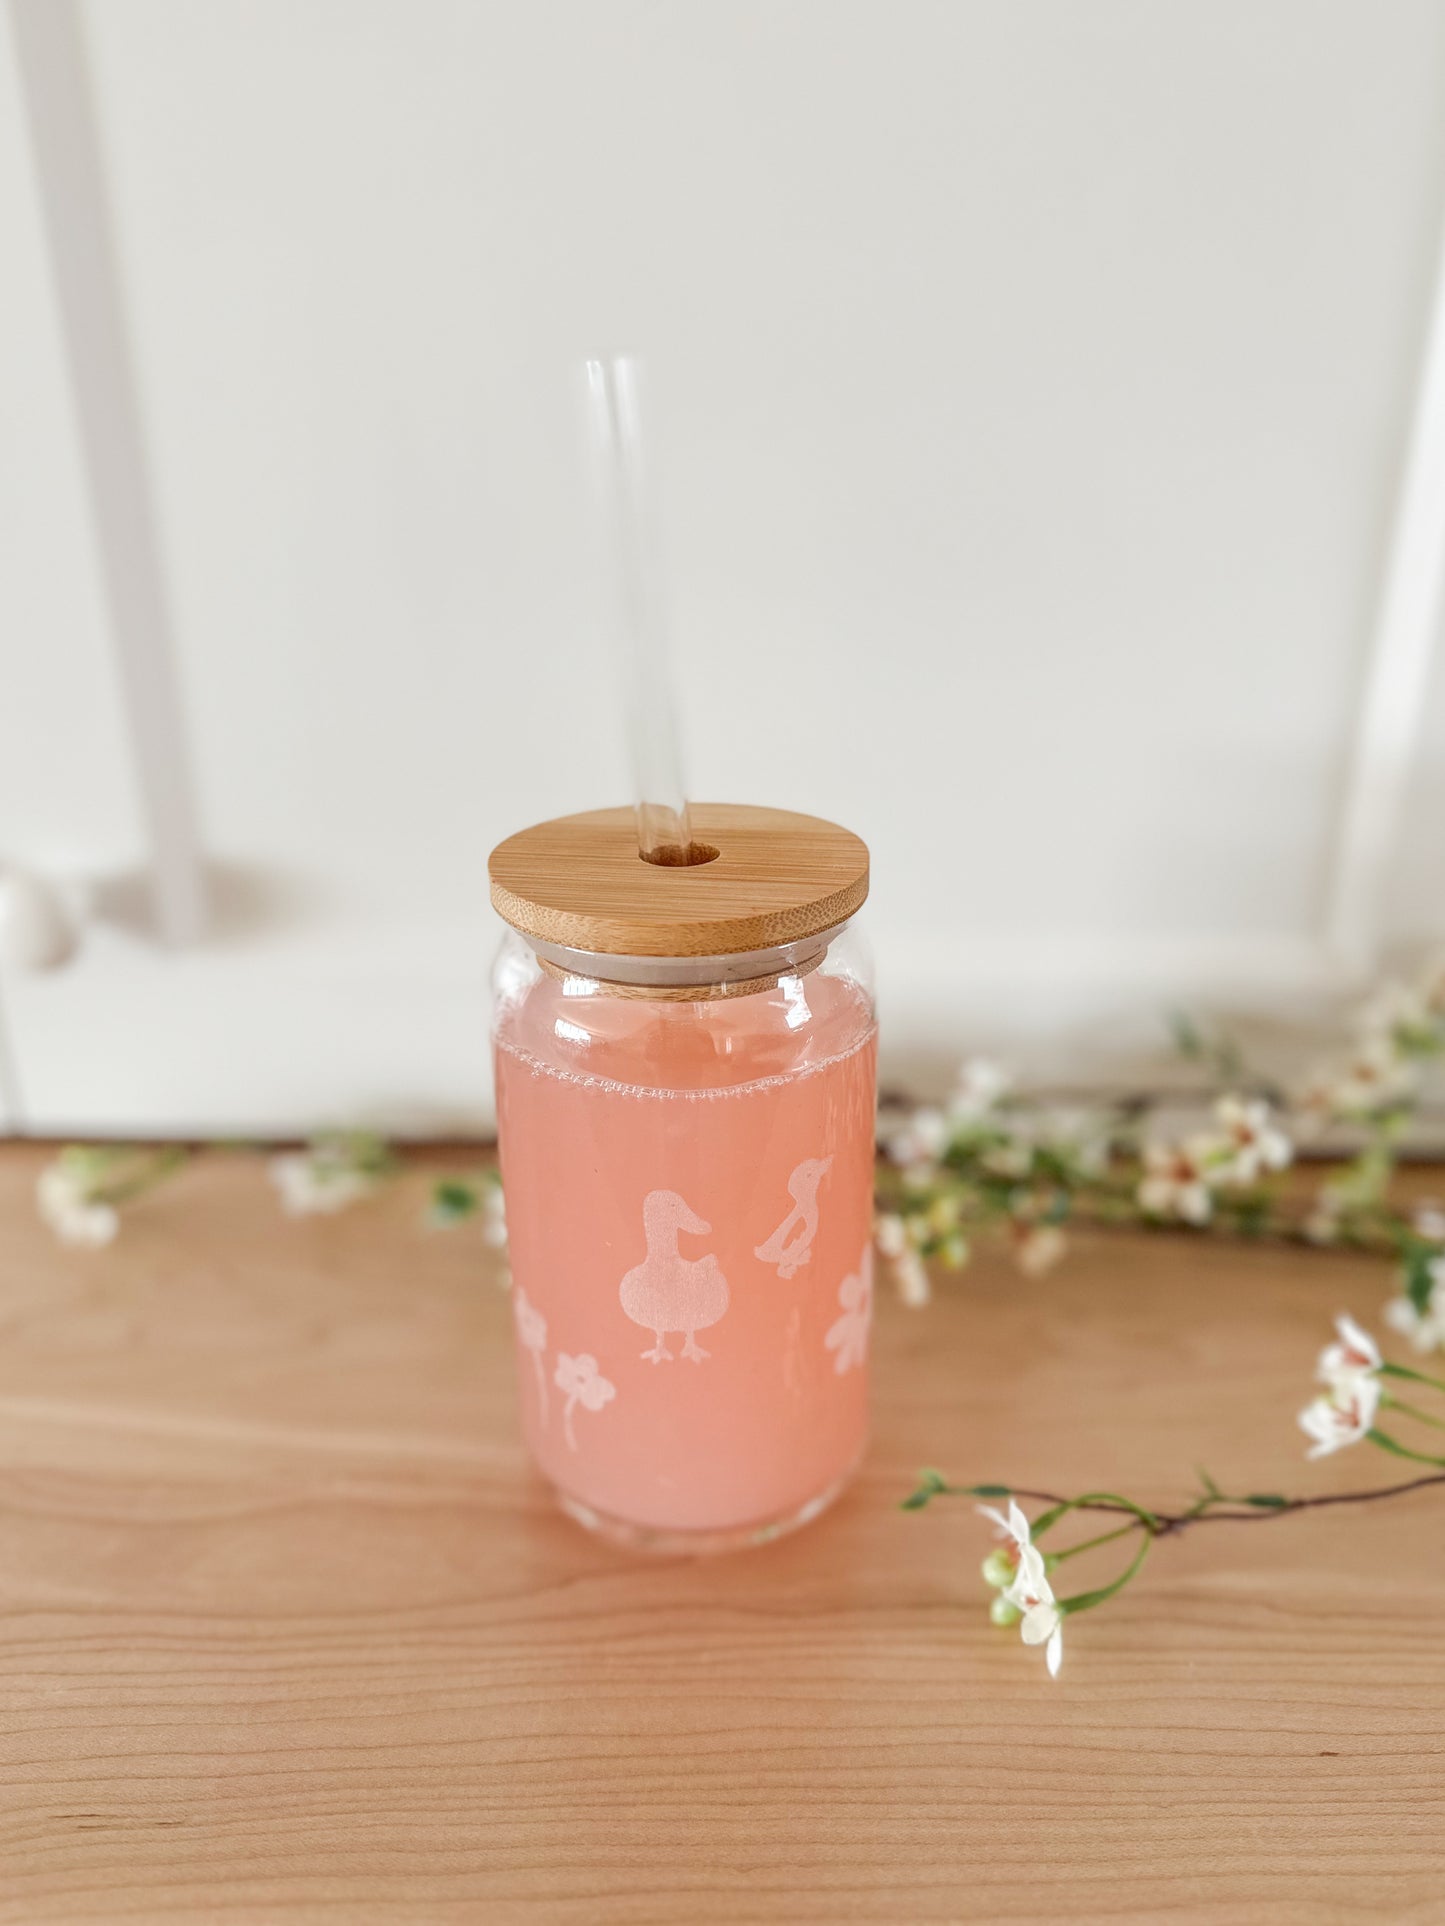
point(1183, 1180)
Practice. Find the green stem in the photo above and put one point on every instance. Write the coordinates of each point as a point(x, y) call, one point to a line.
point(1413, 1411)
point(154, 1170)
point(1104, 1538)
point(1387, 1443)
point(1085, 1601)
point(1412, 1377)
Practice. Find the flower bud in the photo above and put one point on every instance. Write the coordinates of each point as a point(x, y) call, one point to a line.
point(1003, 1611)
point(943, 1214)
point(999, 1568)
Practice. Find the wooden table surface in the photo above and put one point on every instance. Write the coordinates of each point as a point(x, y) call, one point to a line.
point(290, 1632)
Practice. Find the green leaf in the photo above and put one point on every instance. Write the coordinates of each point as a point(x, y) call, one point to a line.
point(1267, 1500)
point(988, 1491)
point(1419, 1281)
point(932, 1484)
point(1207, 1484)
point(453, 1200)
point(359, 1150)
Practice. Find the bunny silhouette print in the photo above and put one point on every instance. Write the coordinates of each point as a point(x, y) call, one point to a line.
point(670, 1292)
point(791, 1244)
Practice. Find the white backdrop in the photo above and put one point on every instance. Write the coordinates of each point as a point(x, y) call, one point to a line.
point(1033, 392)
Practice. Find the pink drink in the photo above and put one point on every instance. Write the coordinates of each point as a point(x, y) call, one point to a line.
point(689, 1205)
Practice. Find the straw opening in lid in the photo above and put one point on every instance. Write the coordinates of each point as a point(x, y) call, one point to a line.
point(778, 877)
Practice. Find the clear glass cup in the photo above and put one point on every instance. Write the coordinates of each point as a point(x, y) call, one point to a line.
point(687, 1154)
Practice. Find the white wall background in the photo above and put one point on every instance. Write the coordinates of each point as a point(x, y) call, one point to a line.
point(1033, 389)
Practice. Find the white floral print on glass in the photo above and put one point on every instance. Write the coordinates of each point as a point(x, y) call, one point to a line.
point(580, 1382)
point(791, 1244)
point(847, 1336)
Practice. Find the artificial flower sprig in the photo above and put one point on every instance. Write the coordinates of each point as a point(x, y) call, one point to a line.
point(81, 1194)
point(1022, 1575)
point(988, 1161)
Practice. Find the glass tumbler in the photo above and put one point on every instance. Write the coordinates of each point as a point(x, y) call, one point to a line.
point(686, 1117)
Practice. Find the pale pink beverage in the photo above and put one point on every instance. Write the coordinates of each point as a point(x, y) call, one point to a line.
point(689, 1207)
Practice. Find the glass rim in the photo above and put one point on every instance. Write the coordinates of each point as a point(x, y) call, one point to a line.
point(688, 972)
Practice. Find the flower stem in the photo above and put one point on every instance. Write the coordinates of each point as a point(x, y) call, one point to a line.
point(1104, 1538)
point(1086, 1601)
point(140, 1178)
point(1413, 1377)
point(1169, 1522)
point(1413, 1411)
point(1387, 1443)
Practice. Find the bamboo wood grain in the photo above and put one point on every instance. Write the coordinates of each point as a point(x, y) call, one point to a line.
point(778, 877)
point(288, 1633)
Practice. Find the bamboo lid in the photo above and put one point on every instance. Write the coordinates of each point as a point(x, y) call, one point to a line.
point(777, 878)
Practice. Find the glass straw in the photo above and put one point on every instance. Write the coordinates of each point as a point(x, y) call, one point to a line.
point(664, 834)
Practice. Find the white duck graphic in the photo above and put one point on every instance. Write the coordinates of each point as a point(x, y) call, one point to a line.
point(791, 1244)
point(669, 1292)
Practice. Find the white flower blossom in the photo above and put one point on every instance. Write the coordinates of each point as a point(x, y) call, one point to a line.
point(1012, 1159)
point(891, 1234)
point(1084, 1136)
point(1425, 1329)
point(1394, 1008)
point(1375, 1077)
point(910, 1276)
point(921, 1141)
point(1251, 1142)
point(310, 1182)
point(1430, 1221)
point(978, 1089)
point(1354, 1354)
point(494, 1217)
point(1039, 1248)
point(1041, 1620)
point(65, 1201)
point(1013, 1526)
point(1322, 1225)
point(1175, 1183)
point(1342, 1416)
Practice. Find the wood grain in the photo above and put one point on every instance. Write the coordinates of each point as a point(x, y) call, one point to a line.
point(288, 1633)
point(778, 877)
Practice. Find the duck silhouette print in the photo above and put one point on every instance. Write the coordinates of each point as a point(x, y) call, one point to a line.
point(670, 1292)
point(791, 1244)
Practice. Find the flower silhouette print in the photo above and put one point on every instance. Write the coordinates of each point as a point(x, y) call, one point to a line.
point(580, 1382)
point(532, 1331)
point(847, 1336)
